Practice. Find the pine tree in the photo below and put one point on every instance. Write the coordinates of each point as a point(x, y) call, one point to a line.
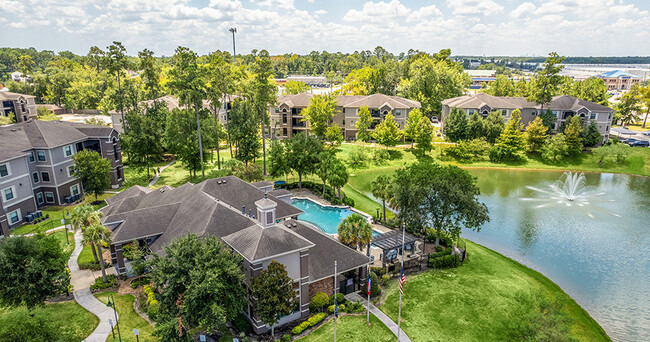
point(387, 133)
point(493, 127)
point(512, 141)
point(536, 135)
point(591, 135)
point(475, 128)
point(455, 127)
point(573, 135)
point(548, 119)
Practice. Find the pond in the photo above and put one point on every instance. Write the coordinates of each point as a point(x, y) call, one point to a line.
point(597, 249)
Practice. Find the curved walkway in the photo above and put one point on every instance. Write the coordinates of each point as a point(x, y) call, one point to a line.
point(155, 179)
point(353, 297)
point(82, 279)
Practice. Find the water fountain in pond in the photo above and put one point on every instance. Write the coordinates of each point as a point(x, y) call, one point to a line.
point(571, 190)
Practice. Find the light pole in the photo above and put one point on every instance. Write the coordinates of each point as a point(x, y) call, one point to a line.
point(234, 54)
point(111, 304)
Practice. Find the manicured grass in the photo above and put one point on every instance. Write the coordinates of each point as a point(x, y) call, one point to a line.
point(638, 126)
point(67, 245)
point(128, 318)
point(475, 301)
point(86, 254)
point(56, 214)
point(351, 328)
point(70, 318)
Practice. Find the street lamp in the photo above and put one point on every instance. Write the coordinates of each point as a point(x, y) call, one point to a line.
point(234, 54)
point(111, 304)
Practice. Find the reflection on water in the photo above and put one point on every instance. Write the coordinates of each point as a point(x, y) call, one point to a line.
point(601, 260)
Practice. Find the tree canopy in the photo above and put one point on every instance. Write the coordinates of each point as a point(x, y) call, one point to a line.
point(92, 170)
point(275, 295)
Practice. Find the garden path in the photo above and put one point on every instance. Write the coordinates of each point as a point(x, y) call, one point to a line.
point(155, 179)
point(81, 280)
point(353, 297)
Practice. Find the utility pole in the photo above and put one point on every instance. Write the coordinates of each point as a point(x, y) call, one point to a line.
point(335, 303)
point(234, 54)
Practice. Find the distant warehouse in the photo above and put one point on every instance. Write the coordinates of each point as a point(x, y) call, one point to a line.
point(309, 80)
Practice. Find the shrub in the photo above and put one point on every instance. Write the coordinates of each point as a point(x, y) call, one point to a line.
point(348, 201)
point(127, 251)
point(380, 156)
point(319, 301)
point(356, 307)
point(241, 324)
point(340, 299)
point(475, 149)
point(379, 271)
point(445, 238)
point(300, 328)
point(111, 281)
point(439, 249)
point(385, 278)
point(357, 157)
point(154, 308)
point(147, 289)
point(138, 282)
point(444, 261)
point(90, 265)
point(330, 309)
point(286, 338)
point(375, 289)
point(315, 319)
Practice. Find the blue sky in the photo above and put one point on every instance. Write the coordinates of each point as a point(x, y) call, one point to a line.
point(474, 27)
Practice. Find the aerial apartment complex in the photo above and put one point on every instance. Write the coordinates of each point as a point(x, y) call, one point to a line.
point(36, 161)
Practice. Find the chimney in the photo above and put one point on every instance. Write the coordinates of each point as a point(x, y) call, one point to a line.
point(266, 212)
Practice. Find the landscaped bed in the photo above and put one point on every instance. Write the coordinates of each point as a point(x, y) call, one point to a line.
point(351, 328)
point(128, 318)
point(486, 299)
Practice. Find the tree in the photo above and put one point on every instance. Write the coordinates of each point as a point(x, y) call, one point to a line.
point(221, 77)
point(275, 295)
point(644, 93)
point(412, 127)
point(512, 142)
point(548, 119)
point(143, 140)
point(116, 60)
point(150, 72)
point(573, 135)
point(302, 154)
point(545, 85)
point(244, 131)
point(187, 82)
point(363, 124)
point(97, 235)
point(263, 93)
point(181, 136)
point(381, 188)
point(355, 231)
point(536, 135)
point(32, 269)
point(555, 148)
point(591, 89)
point(591, 135)
point(387, 133)
point(455, 126)
point(6, 120)
point(493, 126)
point(320, 111)
point(338, 175)
point(26, 66)
point(44, 114)
point(628, 106)
point(326, 160)
point(475, 126)
point(295, 87)
point(501, 86)
point(424, 137)
point(92, 170)
point(82, 217)
point(444, 198)
point(334, 134)
point(278, 160)
point(208, 296)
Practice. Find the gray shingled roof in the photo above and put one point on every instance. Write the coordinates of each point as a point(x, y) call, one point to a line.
point(326, 250)
point(352, 101)
point(256, 243)
point(7, 95)
point(47, 134)
point(562, 102)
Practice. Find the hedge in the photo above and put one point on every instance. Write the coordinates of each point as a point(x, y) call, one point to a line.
point(312, 321)
point(111, 281)
point(444, 261)
point(330, 193)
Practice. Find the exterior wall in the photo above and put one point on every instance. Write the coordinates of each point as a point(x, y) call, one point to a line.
point(620, 83)
point(324, 285)
point(21, 114)
point(108, 152)
point(20, 183)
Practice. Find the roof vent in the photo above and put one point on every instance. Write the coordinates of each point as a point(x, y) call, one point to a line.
point(218, 181)
point(161, 190)
point(223, 181)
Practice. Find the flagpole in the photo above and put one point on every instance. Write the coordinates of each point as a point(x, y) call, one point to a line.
point(399, 312)
point(368, 317)
point(335, 303)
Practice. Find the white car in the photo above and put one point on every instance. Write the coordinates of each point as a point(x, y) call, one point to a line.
point(646, 133)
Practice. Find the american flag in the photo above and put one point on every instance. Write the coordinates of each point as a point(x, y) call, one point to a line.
point(402, 280)
point(369, 283)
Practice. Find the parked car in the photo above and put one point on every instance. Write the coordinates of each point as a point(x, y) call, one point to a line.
point(646, 133)
point(639, 143)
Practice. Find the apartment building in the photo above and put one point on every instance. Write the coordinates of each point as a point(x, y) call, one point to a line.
point(286, 118)
point(35, 162)
point(563, 108)
point(619, 80)
point(22, 106)
point(253, 220)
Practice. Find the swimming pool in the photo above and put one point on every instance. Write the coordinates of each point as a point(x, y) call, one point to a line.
point(325, 218)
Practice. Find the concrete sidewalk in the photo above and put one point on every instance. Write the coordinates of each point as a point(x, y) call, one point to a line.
point(155, 179)
point(82, 279)
point(353, 297)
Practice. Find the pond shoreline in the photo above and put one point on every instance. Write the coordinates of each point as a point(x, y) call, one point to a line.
point(464, 166)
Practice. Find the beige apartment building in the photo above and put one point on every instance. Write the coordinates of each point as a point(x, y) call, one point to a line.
point(619, 80)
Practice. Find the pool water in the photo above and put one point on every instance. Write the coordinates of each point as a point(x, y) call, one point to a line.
point(325, 218)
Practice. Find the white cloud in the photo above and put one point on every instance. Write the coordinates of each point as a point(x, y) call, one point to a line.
point(320, 12)
point(474, 7)
point(525, 9)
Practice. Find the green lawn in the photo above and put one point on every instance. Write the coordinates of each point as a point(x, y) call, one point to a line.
point(475, 301)
point(351, 328)
point(128, 318)
point(56, 214)
point(68, 245)
point(72, 320)
point(637, 126)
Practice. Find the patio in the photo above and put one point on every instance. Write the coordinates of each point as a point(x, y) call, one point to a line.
point(389, 248)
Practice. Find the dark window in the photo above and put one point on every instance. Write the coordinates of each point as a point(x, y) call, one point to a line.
point(40, 155)
point(284, 118)
point(31, 157)
point(4, 171)
point(9, 194)
point(35, 177)
point(284, 132)
point(39, 197)
point(119, 172)
point(49, 197)
point(45, 176)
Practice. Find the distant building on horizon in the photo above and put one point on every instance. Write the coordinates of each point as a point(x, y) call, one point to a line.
point(619, 80)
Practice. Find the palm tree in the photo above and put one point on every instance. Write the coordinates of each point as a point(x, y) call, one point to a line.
point(82, 217)
point(97, 234)
point(356, 232)
point(381, 188)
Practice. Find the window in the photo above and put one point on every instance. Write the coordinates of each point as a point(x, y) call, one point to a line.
point(74, 190)
point(343, 110)
point(35, 177)
point(5, 170)
point(45, 176)
point(277, 110)
point(14, 216)
point(592, 116)
point(67, 150)
point(504, 112)
point(344, 122)
point(39, 198)
point(534, 113)
point(49, 197)
point(31, 157)
point(40, 155)
point(398, 113)
point(609, 117)
point(471, 111)
point(284, 132)
point(119, 173)
point(9, 193)
point(69, 168)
